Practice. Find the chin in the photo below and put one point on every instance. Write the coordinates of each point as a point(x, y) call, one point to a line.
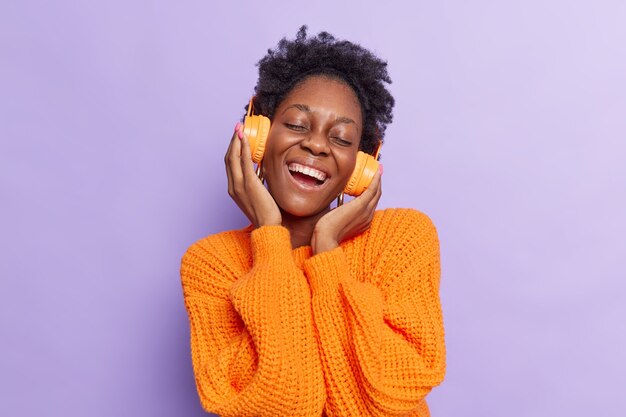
point(296, 203)
point(302, 209)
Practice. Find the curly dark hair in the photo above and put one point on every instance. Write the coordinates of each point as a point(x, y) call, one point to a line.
point(293, 61)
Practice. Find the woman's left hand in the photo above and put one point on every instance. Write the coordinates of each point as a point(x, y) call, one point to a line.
point(347, 221)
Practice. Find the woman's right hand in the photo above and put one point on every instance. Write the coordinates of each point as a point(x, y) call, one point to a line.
point(245, 187)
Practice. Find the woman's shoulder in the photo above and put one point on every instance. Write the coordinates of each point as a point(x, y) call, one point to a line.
point(396, 231)
point(215, 261)
point(401, 221)
point(398, 239)
point(223, 245)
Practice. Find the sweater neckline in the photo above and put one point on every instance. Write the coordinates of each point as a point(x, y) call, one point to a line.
point(301, 254)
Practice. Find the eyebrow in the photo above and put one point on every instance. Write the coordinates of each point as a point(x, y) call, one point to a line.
point(307, 109)
point(344, 119)
point(301, 107)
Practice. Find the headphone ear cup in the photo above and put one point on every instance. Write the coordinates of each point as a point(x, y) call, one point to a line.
point(257, 129)
point(363, 174)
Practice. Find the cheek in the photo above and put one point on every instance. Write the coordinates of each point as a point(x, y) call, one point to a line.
point(277, 143)
point(272, 151)
point(346, 163)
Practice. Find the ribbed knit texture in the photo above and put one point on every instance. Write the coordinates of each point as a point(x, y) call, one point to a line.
point(355, 331)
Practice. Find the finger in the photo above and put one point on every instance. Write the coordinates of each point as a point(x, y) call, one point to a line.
point(234, 139)
point(375, 185)
point(227, 162)
point(376, 192)
point(379, 187)
point(370, 192)
point(230, 144)
point(234, 163)
point(374, 203)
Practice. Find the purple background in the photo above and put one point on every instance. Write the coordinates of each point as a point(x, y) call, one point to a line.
point(509, 132)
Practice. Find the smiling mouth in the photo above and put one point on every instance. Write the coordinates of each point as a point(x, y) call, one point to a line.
point(307, 176)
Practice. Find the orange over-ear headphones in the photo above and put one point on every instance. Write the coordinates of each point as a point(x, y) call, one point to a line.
point(257, 129)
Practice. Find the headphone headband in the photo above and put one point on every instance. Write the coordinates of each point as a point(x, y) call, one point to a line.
point(250, 106)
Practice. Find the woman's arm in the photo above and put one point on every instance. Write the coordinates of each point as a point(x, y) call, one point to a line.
point(381, 340)
point(252, 338)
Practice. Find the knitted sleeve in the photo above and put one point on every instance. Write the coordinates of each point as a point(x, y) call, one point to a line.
point(253, 346)
point(381, 336)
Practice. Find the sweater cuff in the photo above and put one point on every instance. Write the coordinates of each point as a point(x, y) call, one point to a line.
point(325, 270)
point(270, 243)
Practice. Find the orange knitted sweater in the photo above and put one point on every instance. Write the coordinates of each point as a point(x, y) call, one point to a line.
point(355, 331)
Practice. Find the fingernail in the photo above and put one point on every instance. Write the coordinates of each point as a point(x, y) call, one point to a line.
point(380, 168)
point(240, 133)
point(237, 126)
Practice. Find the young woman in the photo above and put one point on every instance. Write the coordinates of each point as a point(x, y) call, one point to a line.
point(313, 311)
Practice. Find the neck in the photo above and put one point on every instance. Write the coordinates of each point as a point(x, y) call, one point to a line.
point(301, 228)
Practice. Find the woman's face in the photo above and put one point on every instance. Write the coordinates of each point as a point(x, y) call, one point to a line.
point(312, 145)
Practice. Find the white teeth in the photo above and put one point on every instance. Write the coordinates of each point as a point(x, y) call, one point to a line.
point(311, 172)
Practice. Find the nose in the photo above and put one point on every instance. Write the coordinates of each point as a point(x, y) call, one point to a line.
point(316, 143)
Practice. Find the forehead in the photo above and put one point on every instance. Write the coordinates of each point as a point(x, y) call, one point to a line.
point(324, 94)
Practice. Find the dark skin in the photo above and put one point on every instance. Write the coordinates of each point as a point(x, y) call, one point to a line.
point(317, 125)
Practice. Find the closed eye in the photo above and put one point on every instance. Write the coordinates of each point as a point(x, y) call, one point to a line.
point(297, 128)
point(342, 142)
